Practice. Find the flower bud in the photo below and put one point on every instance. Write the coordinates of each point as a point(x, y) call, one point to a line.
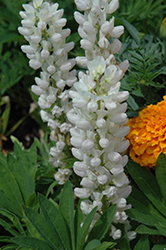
point(41, 25)
point(81, 5)
point(104, 142)
point(117, 234)
point(117, 169)
point(41, 83)
point(27, 23)
point(76, 142)
point(23, 14)
point(102, 179)
point(77, 153)
point(60, 23)
point(28, 49)
point(35, 38)
point(114, 157)
point(81, 193)
point(121, 96)
point(123, 146)
point(35, 64)
point(45, 54)
point(117, 31)
point(88, 27)
point(106, 27)
point(83, 124)
point(115, 46)
point(56, 38)
point(95, 162)
point(79, 17)
point(122, 132)
point(51, 98)
point(124, 65)
point(51, 69)
point(87, 183)
point(112, 7)
point(82, 61)
point(87, 144)
point(60, 84)
point(101, 123)
point(24, 31)
point(119, 118)
point(86, 44)
point(92, 106)
point(37, 90)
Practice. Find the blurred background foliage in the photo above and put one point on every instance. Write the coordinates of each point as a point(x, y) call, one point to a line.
point(143, 46)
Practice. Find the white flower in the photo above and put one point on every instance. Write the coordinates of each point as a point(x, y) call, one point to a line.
point(81, 193)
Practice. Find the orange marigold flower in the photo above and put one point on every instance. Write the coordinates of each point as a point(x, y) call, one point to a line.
point(147, 134)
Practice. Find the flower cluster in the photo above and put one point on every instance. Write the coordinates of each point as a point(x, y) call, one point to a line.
point(95, 30)
point(96, 120)
point(42, 27)
point(99, 138)
point(148, 134)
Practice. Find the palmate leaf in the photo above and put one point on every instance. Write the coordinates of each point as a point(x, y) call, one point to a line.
point(66, 207)
point(78, 220)
point(102, 225)
point(32, 243)
point(148, 185)
point(55, 220)
point(44, 229)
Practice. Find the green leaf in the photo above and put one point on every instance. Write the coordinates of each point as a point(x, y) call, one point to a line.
point(24, 171)
point(146, 182)
point(102, 225)
point(10, 187)
point(31, 230)
point(124, 243)
point(161, 173)
point(78, 220)
point(32, 200)
point(51, 187)
point(8, 228)
point(142, 244)
point(5, 117)
point(9, 205)
point(161, 227)
point(92, 245)
point(42, 227)
point(56, 221)
point(66, 207)
point(84, 230)
point(131, 102)
point(142, 229)
point(105, 245)
point(160, 246)
point(146, 218)
point(132, 30)
point(32, 243)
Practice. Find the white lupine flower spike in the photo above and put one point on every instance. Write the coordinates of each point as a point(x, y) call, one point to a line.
point(95, 118)
point(42, 28)
point(99, 108)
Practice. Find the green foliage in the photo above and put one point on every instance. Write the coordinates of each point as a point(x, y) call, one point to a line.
point(145, 77)
point(149, 203)
point(55, 225)
point(145, 15)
